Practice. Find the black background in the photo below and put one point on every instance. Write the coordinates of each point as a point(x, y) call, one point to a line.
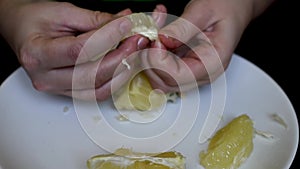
point(271, 41)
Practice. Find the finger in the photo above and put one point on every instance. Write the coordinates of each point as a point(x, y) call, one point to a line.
point(178, 32)
point(197, 67)
point(100, 93)
point(83, 20)
point(105, 39)
point(188, 25)
point(123, 13)
point(90, 74)
point(159, 15)
point(169, 67)
point(204, 62)
point(154, 61)
point(110, 65)
point(103, 91)
point(66, 51)
point(225, 36)
point(56, 52)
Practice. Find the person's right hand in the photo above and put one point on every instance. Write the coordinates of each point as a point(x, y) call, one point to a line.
point(48, 37)
point(197, 47)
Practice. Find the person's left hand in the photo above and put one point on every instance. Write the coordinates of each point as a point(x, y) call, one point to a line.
point(49, 37)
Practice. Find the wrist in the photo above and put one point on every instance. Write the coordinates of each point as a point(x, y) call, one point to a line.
point(8, 7)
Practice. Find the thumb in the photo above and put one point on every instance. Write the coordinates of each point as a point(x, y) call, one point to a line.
point(195, 18)
point(178, 32)
point(85, 20)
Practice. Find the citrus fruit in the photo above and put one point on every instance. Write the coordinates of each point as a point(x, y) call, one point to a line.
point(166, 160)
point(143, 24)
point(138, 94)
point(230, 146)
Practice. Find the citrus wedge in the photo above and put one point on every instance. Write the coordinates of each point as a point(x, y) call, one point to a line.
point(143, 24)
point(138, 94)
point(230, 146)
point(167, 160)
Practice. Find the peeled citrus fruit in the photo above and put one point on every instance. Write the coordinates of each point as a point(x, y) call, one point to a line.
point(142, 24)
point(138, 94)
point(230, 146)
point(167, 160)
point(142, 95)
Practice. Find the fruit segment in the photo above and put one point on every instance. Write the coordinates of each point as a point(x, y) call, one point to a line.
point(167, 160)
point(230, 146)
point(138, 94)
point(143, 24)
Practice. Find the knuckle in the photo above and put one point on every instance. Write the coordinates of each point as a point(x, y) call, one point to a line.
point(97, 83)
point(100, 18)
point(66, 4)
point(90, 80)
point(98, 80)
point(74, 51)
point(102, 94)
point(39, 85)
point(28, 61)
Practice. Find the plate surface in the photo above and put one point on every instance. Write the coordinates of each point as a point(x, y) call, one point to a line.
point(38, 130)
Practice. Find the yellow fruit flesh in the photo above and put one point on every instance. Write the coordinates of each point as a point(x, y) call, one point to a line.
point(136, 165)
point(168, 160)
point(142, 24)
point(142, 95)
point(230, 146)
point(138, 94)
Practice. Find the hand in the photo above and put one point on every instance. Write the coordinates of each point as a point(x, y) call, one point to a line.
point(49, 37)
point(206, 55)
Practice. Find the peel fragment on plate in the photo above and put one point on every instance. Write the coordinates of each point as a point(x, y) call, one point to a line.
point(230, 146)
point(166, 160)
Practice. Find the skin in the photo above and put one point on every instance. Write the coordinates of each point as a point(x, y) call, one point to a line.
point(48, 49)
point(221, 23)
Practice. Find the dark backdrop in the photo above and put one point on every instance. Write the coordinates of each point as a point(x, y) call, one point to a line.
point(271, 41)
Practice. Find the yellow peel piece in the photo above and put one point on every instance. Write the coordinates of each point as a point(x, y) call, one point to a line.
point(230, 146)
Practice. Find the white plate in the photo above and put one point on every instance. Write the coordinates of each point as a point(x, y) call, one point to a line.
point(38, 130)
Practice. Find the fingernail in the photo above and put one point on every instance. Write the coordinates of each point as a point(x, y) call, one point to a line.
point(124, 12)
point(125, 26)
point(142, 43)
point(158, 44)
